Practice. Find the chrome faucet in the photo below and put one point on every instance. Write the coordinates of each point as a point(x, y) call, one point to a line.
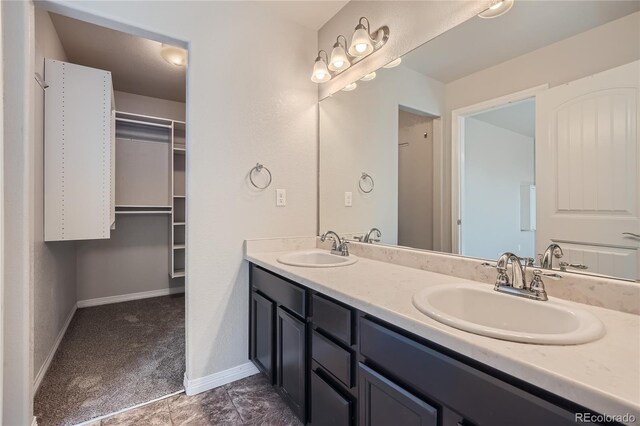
point(339, 245)
point(554, 250)
point(517, 285)
point(367, 238)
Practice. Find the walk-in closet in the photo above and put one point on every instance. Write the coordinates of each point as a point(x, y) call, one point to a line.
point(111, 219)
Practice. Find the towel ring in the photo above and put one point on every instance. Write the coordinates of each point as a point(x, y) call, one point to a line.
point(364, 178)
point(258, 168)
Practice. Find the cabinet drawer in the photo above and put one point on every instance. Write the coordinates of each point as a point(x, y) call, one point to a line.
point(332, 318)
point(328, 406)
point(478, 396)
point(332, 357)
point(281, 291)
point(383, 402)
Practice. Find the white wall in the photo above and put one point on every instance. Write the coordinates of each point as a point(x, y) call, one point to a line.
point(54, 270)
point(415, 180)
point(411, 24)
point(496, 162)
point(146, 105)
point(359, 133)
point(242, 108)
point(599, 49)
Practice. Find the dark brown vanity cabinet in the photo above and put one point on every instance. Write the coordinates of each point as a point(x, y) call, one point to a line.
point(278, 336)
point(336, 366)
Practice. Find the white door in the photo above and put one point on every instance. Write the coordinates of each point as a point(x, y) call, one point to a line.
point(587, 171)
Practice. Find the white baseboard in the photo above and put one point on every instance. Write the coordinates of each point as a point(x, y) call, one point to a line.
point(47, 362)
point(34, 422)
point(131, 296)
point(215, 380)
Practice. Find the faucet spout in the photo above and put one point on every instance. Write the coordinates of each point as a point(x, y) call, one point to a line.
point(517, 271)
point(339, 245)
point(554, 250)
point(367, 238)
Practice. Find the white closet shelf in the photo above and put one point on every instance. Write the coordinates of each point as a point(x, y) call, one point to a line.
point(141, 206)
point(178, 273)
point(179, 196)
point(145, 212)
point(179, 246)
point(179, 150)
point(179, 223)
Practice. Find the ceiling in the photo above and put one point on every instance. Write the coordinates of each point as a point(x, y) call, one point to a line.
point(135, 62)
point(480, 43)
point(519, 117)
point(310, 14)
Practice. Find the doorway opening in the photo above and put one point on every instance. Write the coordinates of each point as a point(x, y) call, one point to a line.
point(109, 312)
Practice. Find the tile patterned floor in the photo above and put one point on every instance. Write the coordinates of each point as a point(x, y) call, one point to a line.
point(250, 401)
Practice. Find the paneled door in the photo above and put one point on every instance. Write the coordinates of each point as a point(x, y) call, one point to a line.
point(587, 160)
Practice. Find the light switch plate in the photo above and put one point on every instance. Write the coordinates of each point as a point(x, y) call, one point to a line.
point(348, 199)
point(281, 197)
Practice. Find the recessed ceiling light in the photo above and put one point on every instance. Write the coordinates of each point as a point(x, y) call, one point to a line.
point(350, 87)
point(369, 76)
point(174, 55)
point(393, 63)
point(497, 9)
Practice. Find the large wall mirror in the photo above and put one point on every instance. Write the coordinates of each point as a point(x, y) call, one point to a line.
point(501, 135)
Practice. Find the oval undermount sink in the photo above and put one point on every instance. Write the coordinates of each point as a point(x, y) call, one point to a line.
point(316, 259)
point(480, 310)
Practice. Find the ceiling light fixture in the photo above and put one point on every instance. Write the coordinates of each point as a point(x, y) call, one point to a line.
point(363, 43)
point(393, 63)
point(369, 76)
point(174, 55)
point(498, 9)
point(350, 87)
point(320, 72)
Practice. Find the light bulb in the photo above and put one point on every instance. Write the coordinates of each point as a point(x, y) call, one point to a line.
point(339, 60)
point(393, 63)
point(369, 76)
point(497, 9)
point(349, 87)
point(320, 72)
point(174, 55)
point(361, 42)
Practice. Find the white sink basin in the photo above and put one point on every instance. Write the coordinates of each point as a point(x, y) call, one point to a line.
point(316, 259)
point(479, 309)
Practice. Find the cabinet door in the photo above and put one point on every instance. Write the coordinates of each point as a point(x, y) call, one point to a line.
point(291, 360)
point(328, 406)
point(262, 334)
point(384, 403)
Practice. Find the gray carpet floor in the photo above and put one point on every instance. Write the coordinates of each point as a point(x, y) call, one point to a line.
point(113, 357)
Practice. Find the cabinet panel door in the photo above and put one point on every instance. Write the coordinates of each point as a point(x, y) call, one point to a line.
point(384, 403)
point(328, 406)
point(262, 334)
point(291, 360)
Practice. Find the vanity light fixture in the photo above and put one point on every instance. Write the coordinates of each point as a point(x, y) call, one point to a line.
point(345, 54)
point(497, 9)
point(369, 77)
point(393, 63)
point(320, 71)
point(174, 55)
point(350, 87)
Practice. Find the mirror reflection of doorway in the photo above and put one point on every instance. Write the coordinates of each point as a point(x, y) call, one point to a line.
point(499, 171)
point(415, 178)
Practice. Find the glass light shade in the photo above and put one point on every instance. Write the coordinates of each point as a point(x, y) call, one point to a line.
point(350, 87)
point(497, 9)
point(320, 72)
point(369, 76)
point(339, 60)
point(360, 43)
point(393, 63)
point(174, 55)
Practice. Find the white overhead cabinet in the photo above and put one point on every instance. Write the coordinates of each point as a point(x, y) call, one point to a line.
point(79, 195)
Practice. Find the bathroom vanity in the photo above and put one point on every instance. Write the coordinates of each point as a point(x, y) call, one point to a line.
point(340, 354)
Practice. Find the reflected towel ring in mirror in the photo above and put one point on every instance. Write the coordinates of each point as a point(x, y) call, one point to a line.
point(363, 179)
point(258, 168)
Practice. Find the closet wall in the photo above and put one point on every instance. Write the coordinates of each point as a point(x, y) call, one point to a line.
point(135, 259)
point(54, 264)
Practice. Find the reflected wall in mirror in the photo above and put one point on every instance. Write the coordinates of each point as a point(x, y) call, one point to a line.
point(505, 134)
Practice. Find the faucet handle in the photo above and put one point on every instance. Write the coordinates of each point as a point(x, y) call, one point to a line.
point(565, 265)
point(537, 273)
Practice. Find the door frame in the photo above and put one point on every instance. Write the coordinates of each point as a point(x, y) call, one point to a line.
point(458, 117)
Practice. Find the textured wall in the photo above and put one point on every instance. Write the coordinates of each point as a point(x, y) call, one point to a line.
point(411, 24)
point(54, 263)
point(246, 103)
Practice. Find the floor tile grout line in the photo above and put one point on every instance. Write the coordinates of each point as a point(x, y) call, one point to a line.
point(226, 390)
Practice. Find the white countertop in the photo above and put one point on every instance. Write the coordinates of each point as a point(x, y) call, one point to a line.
point(603, 376)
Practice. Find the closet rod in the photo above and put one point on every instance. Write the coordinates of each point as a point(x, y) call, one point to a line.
point(144, 123)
